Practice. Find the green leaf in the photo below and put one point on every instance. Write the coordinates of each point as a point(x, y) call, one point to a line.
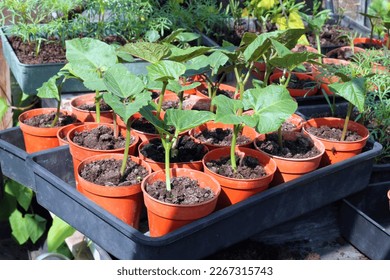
point(259, 46)
point(182, 55)
point(151, 52)
point(165, 70)
point(171, 37)
point(19, 227)
point(272, 106)
point(227, 110)
point(22, 194)
point(147, 113)
point(187, 37)
point(353, 91)
point(183, 120)
point(152, 36)
point(121, 82)
point(49, 89)
point(3, 107)
point(125, 109)
point(36, 226)
point(57, 234)
point(89, 58)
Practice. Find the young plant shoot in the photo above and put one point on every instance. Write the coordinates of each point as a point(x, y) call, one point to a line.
point(126, 96)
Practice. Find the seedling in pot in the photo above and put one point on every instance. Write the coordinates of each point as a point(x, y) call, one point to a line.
point(353, 90)
point(167, 64)
point(315, 24)
point(212, 69)
point(126, 96)
point(271, 106)
point(180, 121)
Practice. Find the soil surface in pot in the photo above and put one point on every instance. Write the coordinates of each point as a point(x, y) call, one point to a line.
point(333, 134)
point(142, 124)
point(295, 145)
point(247, 167)
point(107, 173)
point(287, 126)
point(331, 35)
point(92, 106)
point(184, 191)
point(187, 150)
point(100, 138)
point(45, 120)
point(220, 137)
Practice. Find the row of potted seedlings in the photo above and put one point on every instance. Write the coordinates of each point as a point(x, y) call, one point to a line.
point(114, 165)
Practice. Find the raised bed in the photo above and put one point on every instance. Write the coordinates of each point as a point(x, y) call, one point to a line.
point(55, 190)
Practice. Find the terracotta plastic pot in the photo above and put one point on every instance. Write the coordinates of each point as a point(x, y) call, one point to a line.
point(164, 217)
point(336, 151)
point(332, 53)
point(63, 132)
point(259, 71)
point(143, 136)
point(39, 138)
point(89, 116)
point(124, 202)
point(368, 41)
point(295, 92)
point(299, 47)
point(292, 168)
point(247, 131)
point(156, 166)
point(236, 190)
point(80, 153)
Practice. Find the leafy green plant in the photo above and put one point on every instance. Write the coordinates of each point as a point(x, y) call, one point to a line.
point(378, 13)
point(126, 96)
point(352, 89)
point(315, 24)
point(271, 107)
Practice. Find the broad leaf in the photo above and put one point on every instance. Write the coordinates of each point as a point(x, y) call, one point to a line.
point(288, 59)
point(147, 113)
point(49, 89)
point(57, 234)
point(216, 60)
point(165, 70)
point(183, 120)
point(22, 194)
point(89, 58)
point(151, 52)
point(171, 37)
point(182, 55)
point(126, 109)
point(353, 91)
point(36, 226)
point(272, 106)
point(152, 36)
point(121, 82)
point(19, 227)
point(187, 37)
point(227, 110)
point(8, 204)
point(259, 46)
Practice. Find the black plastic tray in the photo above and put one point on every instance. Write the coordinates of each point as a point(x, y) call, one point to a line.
point(13, 157)
point(365, 221)
point(56, 192)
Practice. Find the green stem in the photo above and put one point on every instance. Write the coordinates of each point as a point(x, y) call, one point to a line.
point(345, 128)
point(318, 41)
point(57, 114)
point(167, 148)
point(97, 105)
point(288, 79)
point(127, 144)
point(236, 129)
point(160, 100)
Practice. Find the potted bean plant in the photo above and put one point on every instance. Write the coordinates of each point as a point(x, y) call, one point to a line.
point(165, 196)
